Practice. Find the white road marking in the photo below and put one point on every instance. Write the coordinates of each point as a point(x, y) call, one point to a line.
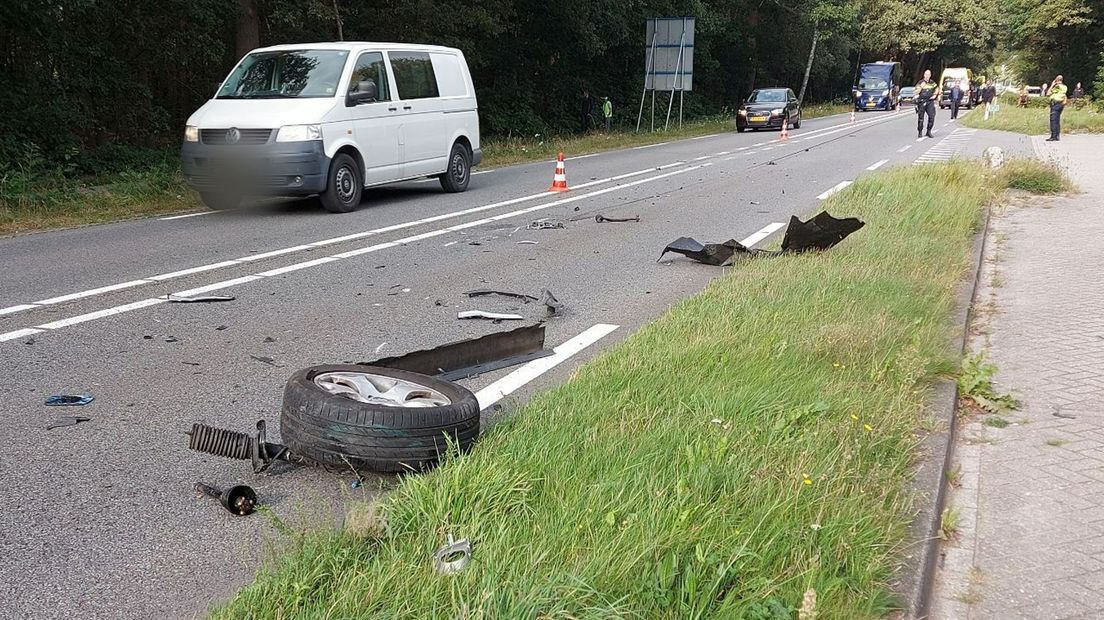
point(297, 266)
point(19, 308)
point(904, 148)
point(517, 379)
point(187, 272)
point(96, 291)
point(703, 157)
point(99, 314)
point(649, 146)
point(920, 139)
point(192, 292)
point(759, 144)
point(19, 333)
point(712, 135)
point(877, 164)
point(581, 156)
point(180, 217)
point(761, 234)
point(839, 186)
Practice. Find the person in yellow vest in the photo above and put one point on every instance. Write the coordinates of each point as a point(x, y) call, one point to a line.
point(1057, 104)
point(927, 93)
point(607, 112)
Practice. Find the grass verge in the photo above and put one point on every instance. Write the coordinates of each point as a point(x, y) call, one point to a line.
point(1036, 120)
point(752, 444)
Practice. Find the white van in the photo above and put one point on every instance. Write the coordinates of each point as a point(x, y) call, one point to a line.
point(331, 119)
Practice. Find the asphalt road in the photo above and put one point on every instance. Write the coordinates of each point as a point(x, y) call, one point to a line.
point(99, 520)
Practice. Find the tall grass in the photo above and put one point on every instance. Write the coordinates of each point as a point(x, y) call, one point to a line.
point(751, 444)
point(1035, 119)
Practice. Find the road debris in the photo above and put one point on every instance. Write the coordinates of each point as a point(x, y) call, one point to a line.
point(264, 359)
point(484, 291)
point(72, 420)
point(548, 299)
point(380, 348)
point(238, 499)
point(234, 445)
point(493, 316)
point(269, 339)
point(545, 225)
point(69, 400)
point(453, 557)
point(527, 242)
point(464, 359)
point(601, 218)
point(819, 233)
point(176, 299)
point(720, 254)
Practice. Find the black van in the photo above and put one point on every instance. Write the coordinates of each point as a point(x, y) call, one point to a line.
point(879, 86)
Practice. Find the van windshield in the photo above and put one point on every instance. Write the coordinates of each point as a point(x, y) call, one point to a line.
point(285, 74)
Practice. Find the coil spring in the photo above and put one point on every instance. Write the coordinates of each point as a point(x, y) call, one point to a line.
point(220, 442)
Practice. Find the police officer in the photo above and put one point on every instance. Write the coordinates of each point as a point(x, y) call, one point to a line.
point(1057, 104)
point(927, 93)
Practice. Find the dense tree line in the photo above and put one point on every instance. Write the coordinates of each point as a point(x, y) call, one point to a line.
point(86, 77)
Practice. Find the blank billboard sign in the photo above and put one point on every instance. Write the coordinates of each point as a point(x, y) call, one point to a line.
point(667, 68)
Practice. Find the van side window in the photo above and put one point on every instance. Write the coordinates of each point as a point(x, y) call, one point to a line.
point(414, 75)
point(370, 68)
point(450, 76)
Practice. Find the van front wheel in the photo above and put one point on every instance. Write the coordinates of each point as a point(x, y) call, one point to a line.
point(456, 178)
point(344, 185)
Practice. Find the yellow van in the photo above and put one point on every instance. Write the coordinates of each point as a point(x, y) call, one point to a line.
point(969, 90)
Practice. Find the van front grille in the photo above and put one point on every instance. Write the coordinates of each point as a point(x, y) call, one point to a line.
point(225, 136)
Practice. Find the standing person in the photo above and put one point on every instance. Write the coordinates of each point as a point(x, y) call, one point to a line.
point(1022, 103)
point(1046, 89)
point(586, 111)
point(1078, 92)
point(607, 112)
point(987, 92)
point(1057, 104)
point(956, 98)
point(927, 93)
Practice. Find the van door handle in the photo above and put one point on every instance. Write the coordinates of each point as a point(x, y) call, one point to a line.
point(392, 109)
point(408, 107)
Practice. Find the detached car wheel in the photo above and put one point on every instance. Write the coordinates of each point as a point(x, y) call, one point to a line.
point(375, 419)
point(344, 185)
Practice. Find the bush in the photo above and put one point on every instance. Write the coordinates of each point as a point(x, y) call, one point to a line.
point(1035, 177)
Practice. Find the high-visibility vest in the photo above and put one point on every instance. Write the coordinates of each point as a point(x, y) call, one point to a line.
point(1058, 93)
point(607, 108)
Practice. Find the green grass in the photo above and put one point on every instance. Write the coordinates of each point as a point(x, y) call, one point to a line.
point(1035, 120)
point(975, 382)
point(1031, 176)
point(751, 444)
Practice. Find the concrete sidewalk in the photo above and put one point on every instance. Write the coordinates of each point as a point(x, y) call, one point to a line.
point(1029, 502)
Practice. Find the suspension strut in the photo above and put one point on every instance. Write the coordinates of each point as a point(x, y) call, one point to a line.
point(236, 445)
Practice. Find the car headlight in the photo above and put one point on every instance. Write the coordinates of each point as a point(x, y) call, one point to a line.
point(776, 112)
point(191, 133)
point(299, 133)
point(742, 112)
point(885, 93)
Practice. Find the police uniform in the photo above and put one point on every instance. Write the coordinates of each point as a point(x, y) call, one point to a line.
point(1057, 104)
point(925, 104)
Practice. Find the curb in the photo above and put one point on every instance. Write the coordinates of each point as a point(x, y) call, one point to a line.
point(915, 586)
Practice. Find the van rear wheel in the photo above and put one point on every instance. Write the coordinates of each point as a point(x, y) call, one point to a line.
point(458, 175)
point(344, 185)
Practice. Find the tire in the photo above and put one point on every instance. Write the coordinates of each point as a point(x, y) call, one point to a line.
point(332, 430)
point(458, 175)
point(220, 202)
point(344, 185)
point(797, 123)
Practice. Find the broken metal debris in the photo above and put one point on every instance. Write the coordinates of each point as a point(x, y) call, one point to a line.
point(601, 218)
point(264, 359)
point(468, 358)
point(493, 316)
point(453, 557)
point(234, 445)
point(545, 225)
point(238, 499)
point(175, 299)
point(69, 400)
point(709, 253)
point(486, 291)
point(66, 421)
point(548, 299)
point(819, 233)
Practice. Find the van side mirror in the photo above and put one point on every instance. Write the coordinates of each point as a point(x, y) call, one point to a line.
point(362, 92)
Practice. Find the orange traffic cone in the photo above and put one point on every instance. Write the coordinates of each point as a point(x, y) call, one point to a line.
point(785, 135)
point(559, 180)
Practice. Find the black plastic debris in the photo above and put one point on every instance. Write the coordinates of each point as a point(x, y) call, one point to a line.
point(492, 316)
point(545, 225)
point(601, 218)
point(709, 253)
point(467, 358)
point(239, 499)
point(69, 400)
point(264, 359)
point(486, 291)
point(72, 420)
point(818, 233)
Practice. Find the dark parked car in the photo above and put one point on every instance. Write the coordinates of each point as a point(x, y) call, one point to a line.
point(769, 108)
point(908, 93)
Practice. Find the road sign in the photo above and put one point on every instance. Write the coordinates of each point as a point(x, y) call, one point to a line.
point(669, 60)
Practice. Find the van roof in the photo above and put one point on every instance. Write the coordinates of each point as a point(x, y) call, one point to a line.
point(355, 45)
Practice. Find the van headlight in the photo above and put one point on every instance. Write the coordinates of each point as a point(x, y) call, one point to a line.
point(776, 112)
point(885, 93)
point(191, 133)
point(299, 133)
point(742, 112)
